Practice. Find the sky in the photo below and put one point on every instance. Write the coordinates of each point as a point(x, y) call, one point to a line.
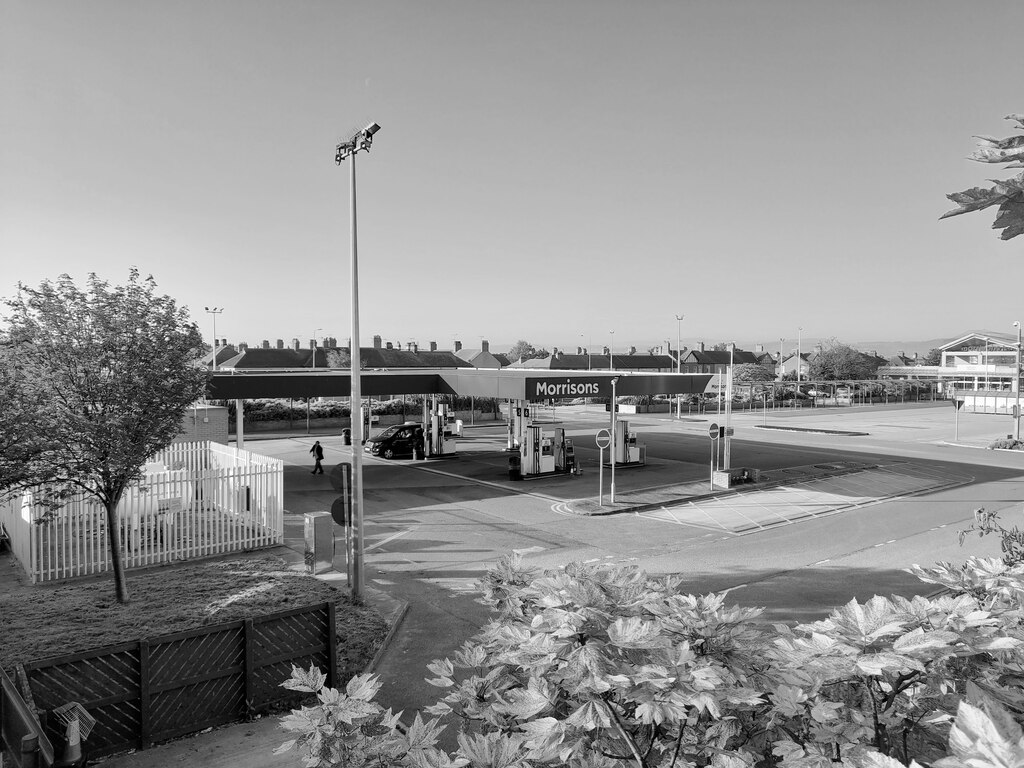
point(569, 173)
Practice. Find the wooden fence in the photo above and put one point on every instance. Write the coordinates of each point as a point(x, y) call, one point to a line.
point(196, 500)
point(164, 687)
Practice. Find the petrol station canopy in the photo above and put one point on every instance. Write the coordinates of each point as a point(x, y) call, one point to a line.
point(511, 384)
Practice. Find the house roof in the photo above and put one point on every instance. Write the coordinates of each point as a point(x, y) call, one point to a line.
point(1000, 339)
point(716, 357)
point(563, 361)
point(370, 357)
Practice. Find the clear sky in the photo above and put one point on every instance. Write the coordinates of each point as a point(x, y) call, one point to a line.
point(549, 171)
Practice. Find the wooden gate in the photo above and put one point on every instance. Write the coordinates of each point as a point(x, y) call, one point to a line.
point(163, 687)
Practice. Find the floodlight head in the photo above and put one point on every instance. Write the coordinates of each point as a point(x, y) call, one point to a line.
point(1016, 323)
point(371, 129)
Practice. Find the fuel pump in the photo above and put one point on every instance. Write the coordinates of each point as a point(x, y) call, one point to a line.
point(441, 440)
point(537, 452)
point(520, 422)
point(626, 449)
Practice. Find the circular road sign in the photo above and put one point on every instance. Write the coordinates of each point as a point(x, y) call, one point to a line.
point(713, 431)
point(604, 438)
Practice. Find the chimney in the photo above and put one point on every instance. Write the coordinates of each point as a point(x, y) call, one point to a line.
point(376, 342)
point(331, 342)
point(243, 347)
point(390, 345)
point(280, 343)
point(632, 350)
point(312, 343)
point(915, 355)
point(604, 350)
point(415, 346)
point(223, 342)
point(759, 349)
point(458, 346)
point(295, 344)
point(433, 346)
point(700, 347)
point(485, 345)
point(558, 353)
point(554, 351)
point(266, 344)
point(579, 350)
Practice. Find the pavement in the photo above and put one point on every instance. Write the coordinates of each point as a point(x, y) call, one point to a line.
point(252, 744)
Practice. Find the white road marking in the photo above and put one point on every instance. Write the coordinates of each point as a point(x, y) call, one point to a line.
point(384, 541)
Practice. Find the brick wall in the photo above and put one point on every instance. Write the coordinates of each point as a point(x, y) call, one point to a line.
point(205, 422)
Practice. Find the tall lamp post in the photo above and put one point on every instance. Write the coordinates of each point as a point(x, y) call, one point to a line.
point(347, 150)
point(679, 363)
point(214, 311)
point(1016, 382)
point(799, 356)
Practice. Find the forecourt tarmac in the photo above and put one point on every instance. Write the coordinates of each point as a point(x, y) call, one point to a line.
point(432, 528)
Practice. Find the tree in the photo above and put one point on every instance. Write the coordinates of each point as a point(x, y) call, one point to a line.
point(117, 366)
point(838, 361)
point(746, 373)
point(721, 346)
point(522, 350)
point(934, 357)
point(1007, 194)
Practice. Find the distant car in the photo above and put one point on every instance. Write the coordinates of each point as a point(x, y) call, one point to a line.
point(396, 441)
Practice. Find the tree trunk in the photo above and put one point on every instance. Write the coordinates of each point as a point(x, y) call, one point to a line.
point(120, 586)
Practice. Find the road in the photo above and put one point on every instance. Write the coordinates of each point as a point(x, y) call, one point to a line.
point(433, 528)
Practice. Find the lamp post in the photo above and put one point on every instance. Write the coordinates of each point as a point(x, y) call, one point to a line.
point(799, 356)
point(1016, 382)
point(347, 150)
point(615, 442)
point(727, 448)
point(214, 311)
point(781, 371)
point(314, 346)
point(679, 362)
point(611, 366)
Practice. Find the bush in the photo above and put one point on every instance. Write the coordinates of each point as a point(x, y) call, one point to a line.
point(601, 666)
point(1007, 443)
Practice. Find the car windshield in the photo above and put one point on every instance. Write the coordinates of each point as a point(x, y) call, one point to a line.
point(388, 432)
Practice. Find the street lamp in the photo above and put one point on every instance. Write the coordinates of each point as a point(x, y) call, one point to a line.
point(1016, 381)
point(214, 311)
point(679, 360)
point(611, 366)
point(347, 150)
point(615, 443)
point(781, 371)
point(314, 346)
point(799, 356)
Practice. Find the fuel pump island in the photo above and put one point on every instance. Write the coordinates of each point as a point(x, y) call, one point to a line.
point(539, 452)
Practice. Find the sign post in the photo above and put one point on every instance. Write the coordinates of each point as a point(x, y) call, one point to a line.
point(603, 440)
point(713, 434)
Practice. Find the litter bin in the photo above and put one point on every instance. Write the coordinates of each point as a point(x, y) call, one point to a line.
point(515, 467)
point(346, 436)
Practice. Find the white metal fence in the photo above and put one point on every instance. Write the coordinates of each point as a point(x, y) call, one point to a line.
point(196, 500)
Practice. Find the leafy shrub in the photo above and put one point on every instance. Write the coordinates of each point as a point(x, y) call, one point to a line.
point(600, 666)
point(1008, 443)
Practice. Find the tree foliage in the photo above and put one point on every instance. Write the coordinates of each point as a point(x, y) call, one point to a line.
point(595, 666)
point(112, 370)
point(1007, 194)
point(934, 357)
point(746, 373)
point(838, 361)
point(523, 350)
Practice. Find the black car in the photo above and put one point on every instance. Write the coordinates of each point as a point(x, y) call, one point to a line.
point(398, 440)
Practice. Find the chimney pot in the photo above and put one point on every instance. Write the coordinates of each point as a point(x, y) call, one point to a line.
point(280, 343)
point(376, 342)
point(485, 345)
point(390, 345)
point(266, 344)
point(433, 346)
point(458, 346)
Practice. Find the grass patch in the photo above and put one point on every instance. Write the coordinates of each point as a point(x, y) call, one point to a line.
point(41, 621)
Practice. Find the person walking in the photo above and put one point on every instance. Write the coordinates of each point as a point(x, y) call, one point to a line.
point(318, 453)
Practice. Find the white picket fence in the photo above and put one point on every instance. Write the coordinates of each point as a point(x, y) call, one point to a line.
point(196, 500)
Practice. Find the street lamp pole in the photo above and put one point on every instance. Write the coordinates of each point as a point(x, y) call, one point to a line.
point(728, 410)
point(615, 441)
point(679, 363)
point(1016, 382)
point(214, 311)
point(347, 150)
point(799, 355)
point(611, 365)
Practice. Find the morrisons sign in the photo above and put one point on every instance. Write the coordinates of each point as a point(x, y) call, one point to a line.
point(562, 387)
